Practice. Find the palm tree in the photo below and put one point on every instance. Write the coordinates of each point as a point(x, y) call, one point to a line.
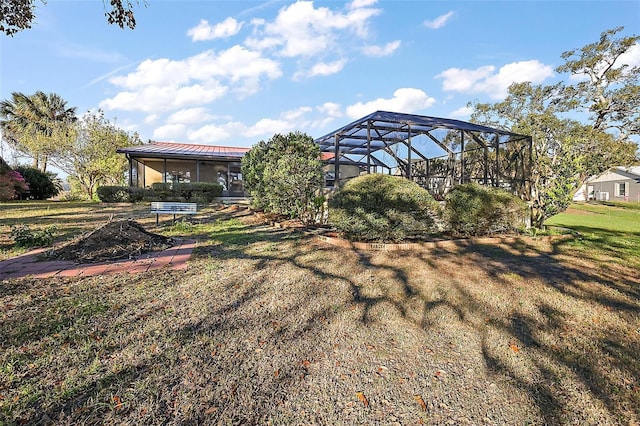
point(32, 124)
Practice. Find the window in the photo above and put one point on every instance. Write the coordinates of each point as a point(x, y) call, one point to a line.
point(620, 189)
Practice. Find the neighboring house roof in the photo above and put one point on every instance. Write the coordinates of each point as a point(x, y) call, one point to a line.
point(633, 170)
point(183, 151)
point(617, 173)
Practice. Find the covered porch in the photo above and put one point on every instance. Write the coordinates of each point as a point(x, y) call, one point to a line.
point(168, 162)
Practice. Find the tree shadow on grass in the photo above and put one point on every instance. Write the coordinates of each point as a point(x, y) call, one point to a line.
point(502, 262)
point(561, 354)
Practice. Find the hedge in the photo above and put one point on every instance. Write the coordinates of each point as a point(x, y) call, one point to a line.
point(472, 209)
point(200, 192)
point(383, 208)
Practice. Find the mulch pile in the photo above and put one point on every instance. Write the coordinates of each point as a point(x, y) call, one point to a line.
point(118, 239)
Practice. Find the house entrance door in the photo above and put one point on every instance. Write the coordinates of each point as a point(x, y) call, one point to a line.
point(236, 186)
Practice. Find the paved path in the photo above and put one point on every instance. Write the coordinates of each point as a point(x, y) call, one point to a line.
point(26, 265)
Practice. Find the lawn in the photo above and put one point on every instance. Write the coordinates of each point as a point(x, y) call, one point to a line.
point(607, 233)
point(272, 326)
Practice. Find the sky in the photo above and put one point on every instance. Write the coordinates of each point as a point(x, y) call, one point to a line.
point(236, 72)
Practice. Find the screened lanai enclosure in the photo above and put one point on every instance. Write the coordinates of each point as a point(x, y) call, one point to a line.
point(436, 153)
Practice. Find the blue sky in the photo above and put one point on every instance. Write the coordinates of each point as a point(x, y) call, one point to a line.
point(235, 72)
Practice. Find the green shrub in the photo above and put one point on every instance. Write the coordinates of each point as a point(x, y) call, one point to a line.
point(113, 194)
point(284, 175)
point(162, 190)
point(42, 185)
point(25, 237)
point(473, 209)
point(200, 192)
point(382, 207)
point(122, 194)
point(137, 194)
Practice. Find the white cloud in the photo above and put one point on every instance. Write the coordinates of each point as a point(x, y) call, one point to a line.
point(151, 118)
point(462, 80)
point(332, 109)
point(154, 99)
point(464, 111)
point(440, 21)
point(165, 84)
point(170, 132)
point(209, 133)
point(356, 4)
point(485, 80)
point(385, 50)
point(302, 30)
point(631, 57)
point(268, 126)
point(288, 121)
point(204, 31)
point(323, 69)
point(329, 112)
point(179, 126)
point(190, 116)
point(296, 114)
point(405, 99)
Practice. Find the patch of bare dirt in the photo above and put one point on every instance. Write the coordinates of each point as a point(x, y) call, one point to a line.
point(580, 212)
point(118, 239)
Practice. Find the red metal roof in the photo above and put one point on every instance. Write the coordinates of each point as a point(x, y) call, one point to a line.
point(174, 149)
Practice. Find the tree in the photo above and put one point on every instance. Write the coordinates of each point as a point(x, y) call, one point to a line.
point(91, 159)
point(17, 15)
point(285, 175)
point(565, 151)
point(42, 185)
point(37, 125)
point(607, 87)
point(253, 164)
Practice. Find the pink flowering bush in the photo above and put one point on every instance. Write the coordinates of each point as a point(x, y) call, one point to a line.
point(12, 184)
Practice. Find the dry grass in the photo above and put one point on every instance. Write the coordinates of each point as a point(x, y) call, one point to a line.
point(269, 326)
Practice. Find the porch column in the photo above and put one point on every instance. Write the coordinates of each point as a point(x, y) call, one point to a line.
point(130, 170)
point(368, 146)
point(336, 165)
point(197, 170)
point(486, 165)
point(461, 156)
point(496, 178)
point(164, 174)
point(409, 155)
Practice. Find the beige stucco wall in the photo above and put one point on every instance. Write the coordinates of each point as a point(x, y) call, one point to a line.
point(346, 171)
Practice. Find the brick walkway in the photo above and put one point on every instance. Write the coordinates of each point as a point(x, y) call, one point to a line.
point(26, 265)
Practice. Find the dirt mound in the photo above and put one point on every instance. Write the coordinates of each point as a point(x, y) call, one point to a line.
point(119, 239)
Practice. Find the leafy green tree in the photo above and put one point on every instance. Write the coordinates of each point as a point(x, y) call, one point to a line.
point(91, 159)
point(37, 125)
point(17, 15)
point(253, 164)
point(606, 87)
point(42, 185)
point(565, 151)
point(285, 175)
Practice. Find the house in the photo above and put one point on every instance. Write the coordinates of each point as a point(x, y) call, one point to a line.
point(616, 184)
point(168, 162)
